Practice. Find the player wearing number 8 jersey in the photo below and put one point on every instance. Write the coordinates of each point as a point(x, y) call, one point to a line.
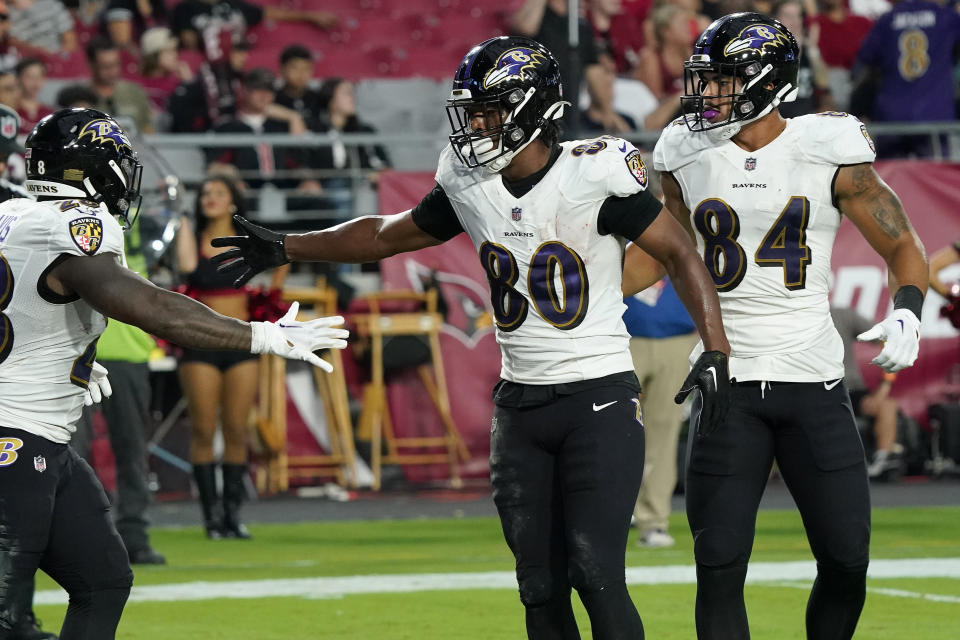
point(62, 274)
point(549, 222)
point(763, 197)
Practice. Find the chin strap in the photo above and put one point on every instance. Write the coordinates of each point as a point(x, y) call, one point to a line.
point(554, 112)
point(787, 93)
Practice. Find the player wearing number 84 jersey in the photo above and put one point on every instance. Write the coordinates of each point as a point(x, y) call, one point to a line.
point(763, 197)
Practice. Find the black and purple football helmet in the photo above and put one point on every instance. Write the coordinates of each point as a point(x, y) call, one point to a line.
point(762, 57)
point(518, 78)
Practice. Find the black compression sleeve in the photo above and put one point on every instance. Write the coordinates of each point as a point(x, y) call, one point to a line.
point(435, 215)
point(629, 216)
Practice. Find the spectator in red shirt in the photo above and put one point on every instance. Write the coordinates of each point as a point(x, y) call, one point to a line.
point(618, 29)
point(841, 33)
point(32, 75)
point(161, 69)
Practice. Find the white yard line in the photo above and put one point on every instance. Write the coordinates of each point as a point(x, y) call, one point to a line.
point(894, 593)
point(775, 572)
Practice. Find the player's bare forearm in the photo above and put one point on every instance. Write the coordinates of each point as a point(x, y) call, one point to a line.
point(640, 270)
point(666, 241)
point(878, 213)
point(698, 294)
point(125, 296)
point(365, 239)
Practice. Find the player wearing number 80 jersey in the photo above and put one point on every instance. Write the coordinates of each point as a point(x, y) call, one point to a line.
point(763, 198)
point(549, 223)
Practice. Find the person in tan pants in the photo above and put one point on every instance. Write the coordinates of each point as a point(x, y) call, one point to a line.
point(662, 337)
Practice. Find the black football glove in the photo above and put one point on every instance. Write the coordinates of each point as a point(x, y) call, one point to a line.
point(260, 250)
point(710, 375)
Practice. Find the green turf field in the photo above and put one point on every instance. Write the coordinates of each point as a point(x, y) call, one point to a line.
point(290, 558)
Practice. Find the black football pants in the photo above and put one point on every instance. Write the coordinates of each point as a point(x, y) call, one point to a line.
point(565, 478)
point(55, 516)
point(810, 431)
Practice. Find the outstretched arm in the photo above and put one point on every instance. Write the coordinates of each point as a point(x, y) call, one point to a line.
point(123, 295)
point(364, 239)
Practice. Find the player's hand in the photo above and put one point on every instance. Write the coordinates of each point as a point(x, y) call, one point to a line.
point(900, 333)
point(290, 338)
point(261, 249)
point(710, 375)
point(98, 387)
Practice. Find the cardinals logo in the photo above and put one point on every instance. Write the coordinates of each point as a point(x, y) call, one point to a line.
point(467, 317)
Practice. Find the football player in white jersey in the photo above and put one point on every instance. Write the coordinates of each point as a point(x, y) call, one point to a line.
point(763, 197)
point(549, 222)
point(61, 275)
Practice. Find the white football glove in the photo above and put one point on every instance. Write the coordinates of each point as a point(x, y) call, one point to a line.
point(900, 333)
point(98, 387)
point(290, 338)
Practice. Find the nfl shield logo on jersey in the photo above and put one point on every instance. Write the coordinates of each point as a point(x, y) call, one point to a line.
point(8, 127)
point(40, 463)
point(516, 213)
point(750, 164)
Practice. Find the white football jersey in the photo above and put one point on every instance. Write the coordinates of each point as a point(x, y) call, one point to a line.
point(765, 223)
point(47, 341)
point(554, 279)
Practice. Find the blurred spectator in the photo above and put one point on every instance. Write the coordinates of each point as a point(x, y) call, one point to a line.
point(546, 22)
point(122, 99)
point(618, 30)
point(661, 62)
point(42, 24)
point(31, 75)
point(338, 100)
point(161, 69)
point(600, 116)
point(876, 404)
point(9, 88)
point(77, 95)
point(813, 83)
point(871, 9)
point(125, 351)
point(914, 77)
point(210, 24)
point(661, 338)
point(296, 69)
point(841, 33)
point(9, 54)
point(220, 386)
point(212, 95)
point(125, 21)
point(286, 168)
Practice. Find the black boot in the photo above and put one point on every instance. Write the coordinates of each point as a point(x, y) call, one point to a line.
point(233, 494)
point(205, 475)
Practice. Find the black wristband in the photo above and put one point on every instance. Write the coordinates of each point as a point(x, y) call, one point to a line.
point(909, 297)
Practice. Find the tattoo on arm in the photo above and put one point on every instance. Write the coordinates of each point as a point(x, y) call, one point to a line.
point(869, 191)
point(888, 213)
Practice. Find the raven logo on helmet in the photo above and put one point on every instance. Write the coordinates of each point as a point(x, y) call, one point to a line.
point(104, 132)
point(513, 64)
point(758, 36)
